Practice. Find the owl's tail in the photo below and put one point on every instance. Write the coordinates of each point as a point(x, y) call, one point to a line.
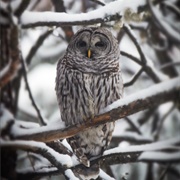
point(87, 173)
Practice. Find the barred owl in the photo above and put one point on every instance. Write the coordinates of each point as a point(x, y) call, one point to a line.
point(88, 79)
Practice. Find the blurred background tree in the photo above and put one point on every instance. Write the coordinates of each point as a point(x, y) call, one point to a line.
point(150, 53)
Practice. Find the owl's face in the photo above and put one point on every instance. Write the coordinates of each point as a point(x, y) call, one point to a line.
point(93, 50)
point(92, 43)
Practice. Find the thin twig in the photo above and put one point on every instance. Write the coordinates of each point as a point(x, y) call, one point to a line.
point(98, 2)
point(172, 34)
point(133, 38)
point(42, 121)
point(162, 175)
point(36, 46)
point(147, 68)
point(135, 77)
point(167, 65)
point(161, 121)
point(133, 125)
point(21, 8)
point(131, 57)
point(59, 7)
point(42, 149)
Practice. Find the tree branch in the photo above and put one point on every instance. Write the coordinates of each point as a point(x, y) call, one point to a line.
point(10, 70)
point(36, 46)
point(100, 15)
point(60, 161)
point(147, 68)
point(147, 98)
point(167, 151)
point(134, 78)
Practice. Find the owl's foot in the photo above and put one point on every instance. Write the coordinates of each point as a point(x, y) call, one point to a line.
point(87, 173)
point(78, 151)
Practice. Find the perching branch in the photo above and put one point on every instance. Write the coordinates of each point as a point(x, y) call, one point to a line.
point(153, 96)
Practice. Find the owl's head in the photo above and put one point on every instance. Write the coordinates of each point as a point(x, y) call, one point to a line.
point(92, 43)
point(93, 50)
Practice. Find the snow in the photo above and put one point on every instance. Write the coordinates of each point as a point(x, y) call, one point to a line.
point(3, 6)
point(70, 174)
point(15, 4)
point(42, 83)
point(157, 72)
point(159, 156)
point(143, 94)
point(27, 124)
point(134, 136)
point(16, 130)
point(38, 168)
point(105, 176)
point(5, 117)
point(161, 145)
point(64, 160)
point(117, 7)
point(153, 90)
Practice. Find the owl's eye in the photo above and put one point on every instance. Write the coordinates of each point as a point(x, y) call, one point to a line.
point(100, 44)
point(82, 44)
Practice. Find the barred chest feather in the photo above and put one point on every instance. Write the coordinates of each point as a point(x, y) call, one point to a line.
point(82, 95)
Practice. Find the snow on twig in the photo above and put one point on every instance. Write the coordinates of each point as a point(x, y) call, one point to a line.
point(59, 160)
point(160, 156)
point(109, 12)
point(145, 93)
point(169, 144)
point(70, 175)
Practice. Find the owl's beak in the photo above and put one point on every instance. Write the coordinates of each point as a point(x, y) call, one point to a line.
point(89, 53)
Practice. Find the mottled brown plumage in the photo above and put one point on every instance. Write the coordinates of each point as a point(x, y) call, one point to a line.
point(88, 79)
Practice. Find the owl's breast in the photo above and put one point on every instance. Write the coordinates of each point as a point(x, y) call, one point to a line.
point(82, 95)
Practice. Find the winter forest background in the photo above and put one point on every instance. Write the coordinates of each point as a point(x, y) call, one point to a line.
point(146, 140)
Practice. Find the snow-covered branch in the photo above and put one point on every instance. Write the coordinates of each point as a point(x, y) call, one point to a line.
point(110, 12)
point(61, 161)
point(150, 97)
point(162, 151)
point(157, 151)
